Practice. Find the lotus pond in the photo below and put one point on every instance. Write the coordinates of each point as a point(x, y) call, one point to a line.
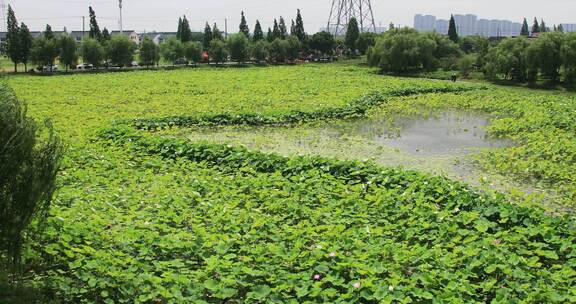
point(161, 203)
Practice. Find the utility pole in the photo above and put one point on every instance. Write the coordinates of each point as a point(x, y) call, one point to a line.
point(3, 19)
point(120, 6)
point(83, 26)
point(226, 28)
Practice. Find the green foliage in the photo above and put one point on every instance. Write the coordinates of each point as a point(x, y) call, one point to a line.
point(535, 26)
point(299, 27)
point(48, 34)
point(352, 35)
point(509, 59)
point(149, 52)
point(452, 31)
point(258, 34)
point(68, 51)
point(275, 34)
point(543, 55)
point(193, 51)
point(323, 43)
point(216, 33)
point(568, 56)
point(406, 50)
point(172, 50)
point(28, 167)
point(259, 51)
point(13, 45)
point(120, 50)
point(244, 26)
point(145, 217)
point(207, 36)
point(218, 51)
point(365, 40)
point(279, 50)
point(44, 51)
point(293, 47)
point(26, 43)
point(94, 32)
point(466, 64)
point(238, 46)
point(282, 29)
point(184, 34)
point(92, 51)
point(106, 36)
point(525, 31)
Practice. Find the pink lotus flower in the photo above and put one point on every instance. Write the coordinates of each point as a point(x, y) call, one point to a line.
point(317, 277)
point(357, 285)
point(332, 254)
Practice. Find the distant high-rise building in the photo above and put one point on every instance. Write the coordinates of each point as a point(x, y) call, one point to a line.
point(442, 26)
point(569, 27)
point(466, 24)
point(470, 25)
point(425, 23)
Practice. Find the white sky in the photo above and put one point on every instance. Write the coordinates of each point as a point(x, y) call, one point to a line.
point(162, 15)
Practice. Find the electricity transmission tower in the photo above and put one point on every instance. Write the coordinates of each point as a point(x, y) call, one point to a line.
point(343, 10)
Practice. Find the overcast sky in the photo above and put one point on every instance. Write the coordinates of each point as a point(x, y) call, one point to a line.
point(162, 15)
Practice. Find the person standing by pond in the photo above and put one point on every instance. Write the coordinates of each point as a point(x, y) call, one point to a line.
point(454, 77)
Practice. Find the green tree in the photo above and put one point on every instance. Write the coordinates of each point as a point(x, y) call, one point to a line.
point(94, 28)
point(352, 34)
point(407, 50)
point(13, 44)
point(216, 33)
point(270, 35)
point(535, 26)
point(275, 31)
point(299, 27)
point(568, 57)
point(92, 51)
point(543, 55)
point(525, 31)
point(244, 26)
point(149, 52)
point(179, 30)
point(466, 64)
point(238, 46)
point(278, 50)
point(258, 34)
point(207, 36)
point(48, 34)
point(561, 28)
point(323, 43)
point(365, 40)
point(29, 161)
point(193, 51)
point(26, 43)
point(508, 58)
point(120, 51)
point(44, 51)
point(452, 31)
point(259, 51)
point(186, 32)
point(106, 35)
point(218, 51)
point(543, 28)
point(282, 30)
point(68, 53)
point(391, 26)
point(172, 50)
point(293, 47)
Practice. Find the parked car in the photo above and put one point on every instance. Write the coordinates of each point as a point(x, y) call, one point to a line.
point(48, 68)
point(181, 61)
point(134, 64)
point(85, 66)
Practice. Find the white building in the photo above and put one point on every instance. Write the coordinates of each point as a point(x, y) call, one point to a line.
point(569, 27)
point(442, 26)
point(470, 25)
point(425, 23)
point(466, 24)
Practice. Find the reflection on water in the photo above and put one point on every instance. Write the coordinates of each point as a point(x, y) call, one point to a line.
point(447, 133)
point(437, 144)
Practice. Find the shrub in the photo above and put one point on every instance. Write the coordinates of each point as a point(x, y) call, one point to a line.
point(238, 46)
point(28, 167)
point(259, 51)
